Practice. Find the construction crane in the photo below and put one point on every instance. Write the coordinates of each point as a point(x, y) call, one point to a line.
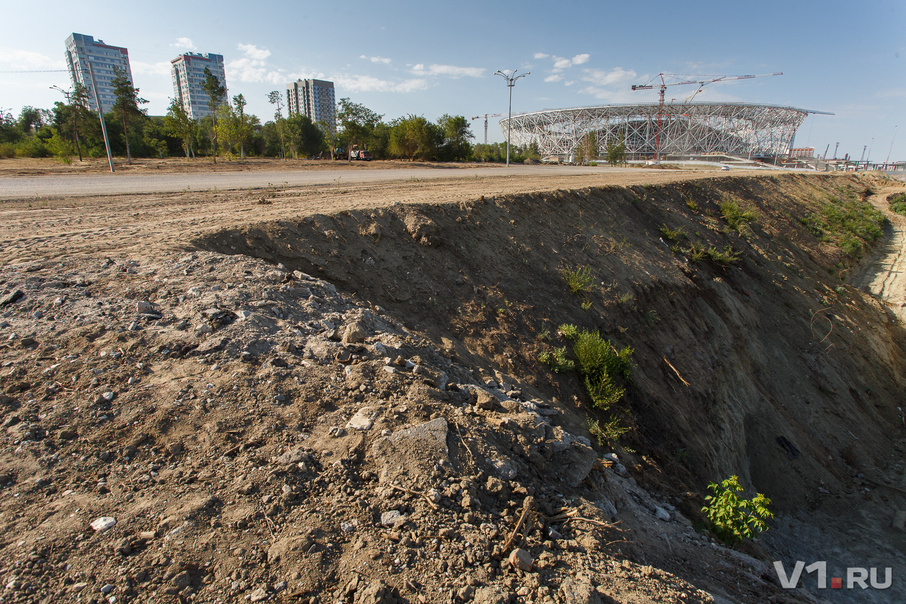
point(486, 116)
point(702, 81)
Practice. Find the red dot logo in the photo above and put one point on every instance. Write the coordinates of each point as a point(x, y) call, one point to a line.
point(836, 583)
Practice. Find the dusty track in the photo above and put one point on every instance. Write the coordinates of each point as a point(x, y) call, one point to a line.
point(52, 226)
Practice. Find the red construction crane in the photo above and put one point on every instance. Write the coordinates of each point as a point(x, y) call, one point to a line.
point(486, 116)
point(702, 81)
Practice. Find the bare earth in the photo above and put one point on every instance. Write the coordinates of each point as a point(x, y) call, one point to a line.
point(248, 383)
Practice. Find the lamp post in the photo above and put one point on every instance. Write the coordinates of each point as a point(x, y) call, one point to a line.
point(510, 82)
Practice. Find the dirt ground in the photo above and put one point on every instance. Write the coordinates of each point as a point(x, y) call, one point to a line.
point(332, 394)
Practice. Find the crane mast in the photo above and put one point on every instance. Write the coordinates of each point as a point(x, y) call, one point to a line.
point(701, 84)
point(486, 116)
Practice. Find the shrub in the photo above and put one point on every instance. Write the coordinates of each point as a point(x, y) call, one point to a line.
point(732, 518)
point(898, 203)
point(600, 365)
point(736, 218)
point(578, 280)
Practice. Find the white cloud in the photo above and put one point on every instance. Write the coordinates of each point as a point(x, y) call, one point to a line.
point(541, 55)
point(383, 60)
point(23, 60)
point(253, 52)
point(154, 69)
point(184, 44)
point(560, 63)
point(253, 67)
point(361, 83)
point(448, 70)
point(613, 85)
point(553, 78)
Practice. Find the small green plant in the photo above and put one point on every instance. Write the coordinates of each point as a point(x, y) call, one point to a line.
point(626, 298)
point(672, 234)
point(898, 203)
point(692, 205)
point(737, 219)
point(586, 305)
point(578, 280)
point(608, 432)
point(725, 257)
point(733, 518)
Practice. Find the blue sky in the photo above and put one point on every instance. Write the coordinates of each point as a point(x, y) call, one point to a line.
point(430, 58)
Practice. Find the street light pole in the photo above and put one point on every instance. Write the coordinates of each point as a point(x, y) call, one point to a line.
point(510, 82)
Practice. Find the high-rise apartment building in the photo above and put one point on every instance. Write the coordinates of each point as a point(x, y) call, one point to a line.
point(188, 81)
point(104, 60)
point(314, 98)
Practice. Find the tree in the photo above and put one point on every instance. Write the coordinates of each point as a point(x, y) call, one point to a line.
point(216, 97)
point(275, 98)
point(125, 107)
point(180, 125)
point(31, 119)
point(73, 117)
point(414, 137)
point(456, 135)
point(615, 152)
point(357, 122)
point(305, 138)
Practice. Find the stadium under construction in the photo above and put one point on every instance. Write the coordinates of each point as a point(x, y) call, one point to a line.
point(660, 131)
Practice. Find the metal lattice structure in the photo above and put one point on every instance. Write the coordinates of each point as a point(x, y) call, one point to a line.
point(737, 129)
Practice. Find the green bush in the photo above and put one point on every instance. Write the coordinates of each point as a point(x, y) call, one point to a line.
point(732, 518)
point(898, 203)
point(851, 224)
point(578, 280)
point(736, 218)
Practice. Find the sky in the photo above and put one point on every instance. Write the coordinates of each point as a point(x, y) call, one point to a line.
point(401, 58)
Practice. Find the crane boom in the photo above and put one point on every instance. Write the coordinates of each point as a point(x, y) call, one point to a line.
point(701, 84)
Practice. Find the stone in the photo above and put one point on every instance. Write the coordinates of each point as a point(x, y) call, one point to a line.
point(259, 595)
point(354, 333)
point(521, 559)
point(363, 418)
point(390, 518)
point(103, 523)
point(576, 591)
point(181, 580)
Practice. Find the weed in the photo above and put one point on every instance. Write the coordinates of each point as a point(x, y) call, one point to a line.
point(544, 335)
point(851, 224)
point(586, 305)
point(600, 365)
point(898, 203)
point(672, 234)
point(725, 257)
point(651, 317)
point(578, 280)
point(609, 432)
point(736, 218)
point(734, 519)
point(626, 298)
point(692, 205)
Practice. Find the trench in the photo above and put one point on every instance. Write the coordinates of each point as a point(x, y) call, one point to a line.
point(768, 367)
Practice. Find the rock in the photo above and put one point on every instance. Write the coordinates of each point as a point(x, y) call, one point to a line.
point(661, 514)
point(576, 591)
point(259, 595)
point(11, 298)
point(521, 559)
point(389, 518)
point(412, 452)
point(423, 229)
point(181, 580)
point(363, 418)
point(376, 593)
point(103, 523)
point(354, 333)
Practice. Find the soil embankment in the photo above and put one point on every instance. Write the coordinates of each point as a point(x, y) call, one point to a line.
point(253, 426)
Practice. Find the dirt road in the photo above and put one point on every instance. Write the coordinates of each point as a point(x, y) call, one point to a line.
point(119, 183)
point(48, 223)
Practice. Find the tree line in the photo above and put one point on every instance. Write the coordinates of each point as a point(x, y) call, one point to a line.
point(71, 130)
